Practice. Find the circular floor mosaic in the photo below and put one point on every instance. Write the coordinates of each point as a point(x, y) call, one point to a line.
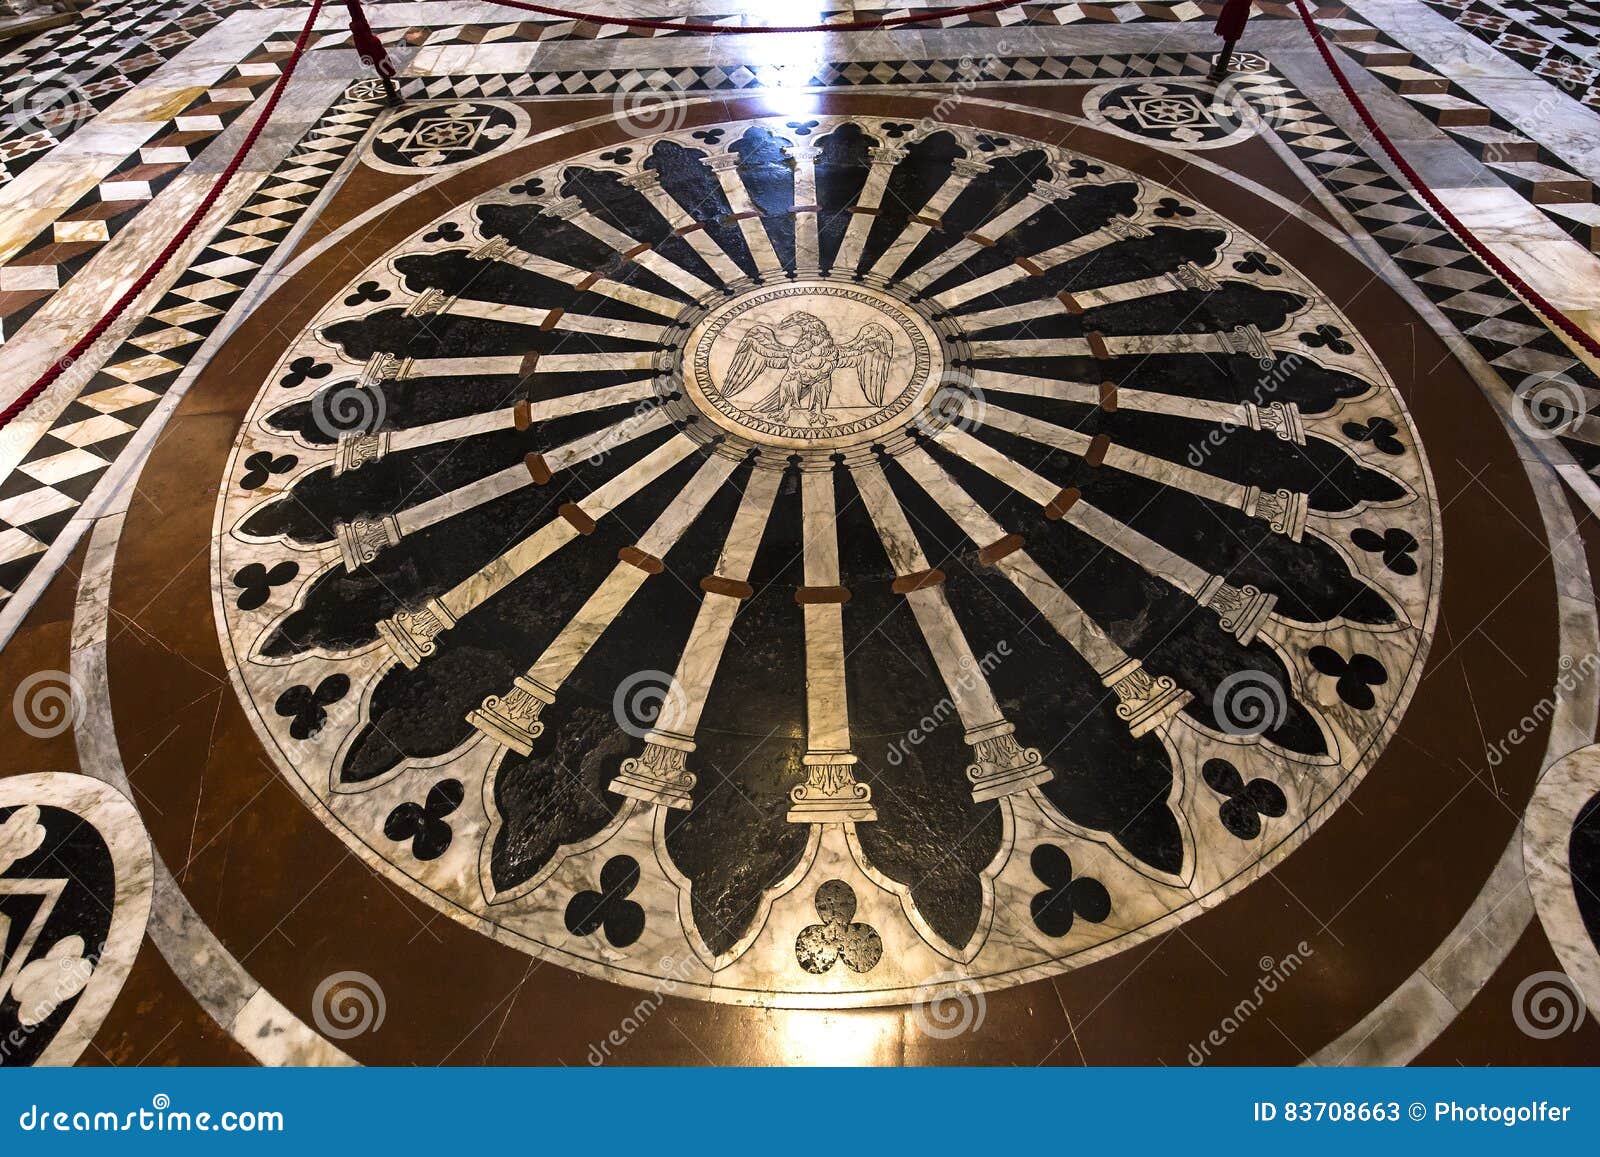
point(818, 562)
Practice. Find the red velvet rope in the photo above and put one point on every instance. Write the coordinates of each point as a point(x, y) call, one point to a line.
point(717, 29)
point(61, 365)
point(1518, 286)
point(96, 331)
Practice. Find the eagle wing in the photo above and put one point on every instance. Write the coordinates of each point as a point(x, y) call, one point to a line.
point(759, 350)
point(870, 352)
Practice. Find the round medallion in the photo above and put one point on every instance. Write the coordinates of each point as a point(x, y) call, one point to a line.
point(812, 365)
point(437, 137)
point(816, 566)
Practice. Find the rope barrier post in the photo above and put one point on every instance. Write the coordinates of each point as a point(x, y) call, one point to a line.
point(1230, 26)
point(371, 50)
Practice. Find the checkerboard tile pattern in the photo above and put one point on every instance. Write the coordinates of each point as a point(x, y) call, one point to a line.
point(63, 468)
point(62, 249)
point(39, 497)
point(1504, 331)
point(1547, 182)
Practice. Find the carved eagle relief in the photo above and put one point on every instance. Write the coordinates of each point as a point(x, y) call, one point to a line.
point(807, 364)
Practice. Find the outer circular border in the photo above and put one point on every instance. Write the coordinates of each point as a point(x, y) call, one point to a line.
point(1569, 784)
point(1362, 760)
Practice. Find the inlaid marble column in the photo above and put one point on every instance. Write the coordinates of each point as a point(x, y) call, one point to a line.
point(437, 303)
point(865, 211)
point(1247, 340)
point(806, 253)
point(386, 367)
point(659, 774)
point(361, 540)
point(648, 182)
point(1284, 511)
point(989, 232)
point(1001, 766)
point(830, 793)
point(358, 449)
point(512, 718)
point(929, 216)
point(411, 635)
point(1241, 609)
point(571, 209)
point(1187, 276)
point(725, 166)
point(501, 249)
point(1279, 418)
point(1144, 701)
point(1113, 231)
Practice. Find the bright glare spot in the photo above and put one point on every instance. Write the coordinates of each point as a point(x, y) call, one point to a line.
point(863, 1037)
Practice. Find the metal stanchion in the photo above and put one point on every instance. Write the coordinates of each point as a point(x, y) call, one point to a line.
point(371, 50)
point(1230, 26)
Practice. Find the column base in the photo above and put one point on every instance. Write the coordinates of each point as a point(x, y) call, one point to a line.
point(410, 634)
point(1145, 701)
point(512, 719)
point(830, 794)
point(658, 774)
point(1002, 766)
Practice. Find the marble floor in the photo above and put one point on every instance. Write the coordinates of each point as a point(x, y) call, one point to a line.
point(980, 543)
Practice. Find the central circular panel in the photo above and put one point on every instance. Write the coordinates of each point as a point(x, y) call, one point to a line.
point(812, 365)
point(626, 685)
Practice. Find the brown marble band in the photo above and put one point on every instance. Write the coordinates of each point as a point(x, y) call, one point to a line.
point(918, 580)
point(1140, 1004)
